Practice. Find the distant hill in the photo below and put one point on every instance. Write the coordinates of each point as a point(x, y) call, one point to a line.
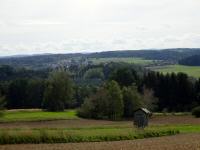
point(165, 54)
point(191, 61)
point(55, 60)
point(37, 61)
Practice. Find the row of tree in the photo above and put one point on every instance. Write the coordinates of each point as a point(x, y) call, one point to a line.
point(55, 93)
point(173, 92)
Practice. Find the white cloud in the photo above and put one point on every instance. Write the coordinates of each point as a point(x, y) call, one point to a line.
point(40, 26)
point(79, 45)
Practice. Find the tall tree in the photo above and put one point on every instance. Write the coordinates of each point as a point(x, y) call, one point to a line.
point(132, 100)
point(125, 76)
point(115, 100)
point(58, 92)
point(149, 100)
point(17, 94)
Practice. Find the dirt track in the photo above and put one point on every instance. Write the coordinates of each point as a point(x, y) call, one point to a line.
point(177, 142)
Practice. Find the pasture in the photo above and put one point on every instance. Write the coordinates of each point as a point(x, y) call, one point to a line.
point(193, 71)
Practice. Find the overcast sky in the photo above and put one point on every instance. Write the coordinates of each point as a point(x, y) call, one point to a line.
point(65, 26)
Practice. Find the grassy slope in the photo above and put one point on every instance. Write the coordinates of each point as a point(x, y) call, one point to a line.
point(190, 70)
point(12, 116)
point(127, 60)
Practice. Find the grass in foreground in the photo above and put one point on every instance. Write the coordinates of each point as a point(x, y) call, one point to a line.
point(181, 128)
point(19, 136)
point(190, 70)
point(90, 134)
point(36, 115)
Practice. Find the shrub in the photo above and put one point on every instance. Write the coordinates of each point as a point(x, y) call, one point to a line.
point(196, 112)
point(107, 103)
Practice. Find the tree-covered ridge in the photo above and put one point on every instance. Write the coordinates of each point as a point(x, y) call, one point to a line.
point(165, 54)
point(67, 60)
point(191, 61)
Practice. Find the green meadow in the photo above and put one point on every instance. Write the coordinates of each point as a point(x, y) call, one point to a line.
point(36, 115)
point(193, 71)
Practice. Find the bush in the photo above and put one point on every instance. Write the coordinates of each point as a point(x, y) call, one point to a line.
point(196, 112)
point(107, 103)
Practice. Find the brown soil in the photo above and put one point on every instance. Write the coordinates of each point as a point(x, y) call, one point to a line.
point(63, 123)
point(177, 142)
point(87, 123)
point(187, 119)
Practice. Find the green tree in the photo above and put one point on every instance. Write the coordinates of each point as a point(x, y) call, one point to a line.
point(149, 101)
point(35, 90)
point(132, 100)
point(106, 103)
point(115, 100)
point(17, 94)
point(125, 76)
point(58, 92)
point(94, 73)
point(96, 106)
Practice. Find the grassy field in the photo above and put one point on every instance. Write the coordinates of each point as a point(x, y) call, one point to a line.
point(92, 134)
point(176, 142)
point(100, 132)
point(193, 71)
point(131, 60)
point(36, 128)
point(36, 115)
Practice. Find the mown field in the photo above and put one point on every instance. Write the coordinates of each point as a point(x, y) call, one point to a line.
point(193, 71)
point(36, 115)
point(131, 60)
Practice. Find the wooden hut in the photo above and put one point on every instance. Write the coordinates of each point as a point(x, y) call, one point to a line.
point(141, 117)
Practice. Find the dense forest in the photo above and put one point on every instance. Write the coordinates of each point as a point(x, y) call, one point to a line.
point(191, 61)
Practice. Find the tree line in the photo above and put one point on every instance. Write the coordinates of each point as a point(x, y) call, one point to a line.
point(122, 90)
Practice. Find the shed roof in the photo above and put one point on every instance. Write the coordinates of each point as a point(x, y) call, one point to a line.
point(144, 110)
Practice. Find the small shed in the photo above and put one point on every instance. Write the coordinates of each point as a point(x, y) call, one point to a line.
point(141, 117)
